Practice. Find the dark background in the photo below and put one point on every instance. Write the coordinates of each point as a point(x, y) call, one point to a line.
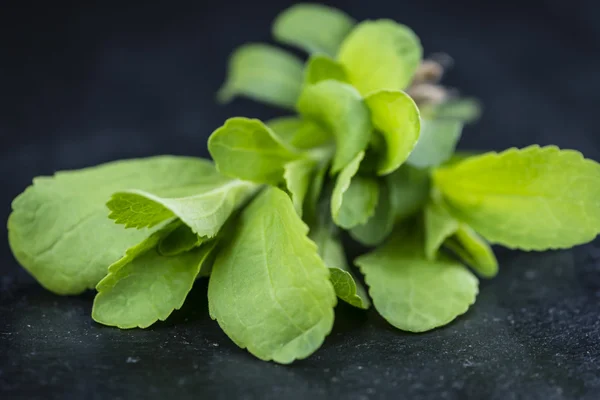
point(82, 84)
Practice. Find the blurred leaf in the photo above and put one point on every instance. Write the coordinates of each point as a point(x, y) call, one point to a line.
point(437, 143)
point(247, 149)
point(263, 73)
point(340, 108)
point(300, 133)
point(396, 116)
point(380, 55)
point(315, 28)
point(321, 68)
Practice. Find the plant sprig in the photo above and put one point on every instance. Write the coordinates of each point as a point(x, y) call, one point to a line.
point(368, 148)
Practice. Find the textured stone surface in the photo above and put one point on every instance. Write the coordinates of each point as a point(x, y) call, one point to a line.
point(533, 333)
point(83, 85)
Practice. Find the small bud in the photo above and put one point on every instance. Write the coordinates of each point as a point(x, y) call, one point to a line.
point(427, 93)
point(428, 71)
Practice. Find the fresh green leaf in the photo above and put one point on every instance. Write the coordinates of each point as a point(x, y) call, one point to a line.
point(145, 245)
point(396, 116)
point(439, 226)
point(204, 207)
point(247, 149)
point(314, 193)
point(298, 175)
point(329, 246)
point(58, 229)
point(263, 73)
point(269, 289)
point(349, 289)
point(345, 284)
point(380, 55)
point(437, 143)
point(321, 68)
point(326, 236)
point(358, 202)
point(339, 107)
point(148, 288)
point(409, 190)
point(380, 225)
point(179, 241)
point(300, 133)
point(354, 197)
point(474, 251)
point(535, 198)
point(315, 28)
point(412, 293)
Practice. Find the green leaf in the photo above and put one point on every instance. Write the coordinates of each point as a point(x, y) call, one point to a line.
point(358, 202)
point(349, 289)
point(58, 229)
point(315, 28)
point(344, 283)
point(412, 293)
point(535, 198)
point(380, 55)
point(321, 68)
point(298, 175)
point(474, 251)
point(437, 143)
point(354, 197)
point(263, 73)
point(314, 192)
point(396, 116)
point(409, 190)
point(148, 243)
point(179, 241)
point(380, 225)
point(300, 133)
point(339, 107)
point(269, 289)
point(148, 287)
point(325, 235)
point(247, 149)
point(439, 226)
point(204, 207)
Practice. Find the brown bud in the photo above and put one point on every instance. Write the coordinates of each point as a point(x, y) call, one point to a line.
point(429, 71)
point(427, 93)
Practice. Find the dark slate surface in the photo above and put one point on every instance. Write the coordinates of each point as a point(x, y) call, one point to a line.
point(82, 85)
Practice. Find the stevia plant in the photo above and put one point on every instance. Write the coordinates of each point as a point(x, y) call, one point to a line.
point(368, 148)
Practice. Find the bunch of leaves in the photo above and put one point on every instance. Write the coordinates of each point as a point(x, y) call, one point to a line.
point(369, 150)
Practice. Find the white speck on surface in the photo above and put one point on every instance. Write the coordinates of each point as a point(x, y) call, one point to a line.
point(214, 344)
point(132, 360)
point(530, 274)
